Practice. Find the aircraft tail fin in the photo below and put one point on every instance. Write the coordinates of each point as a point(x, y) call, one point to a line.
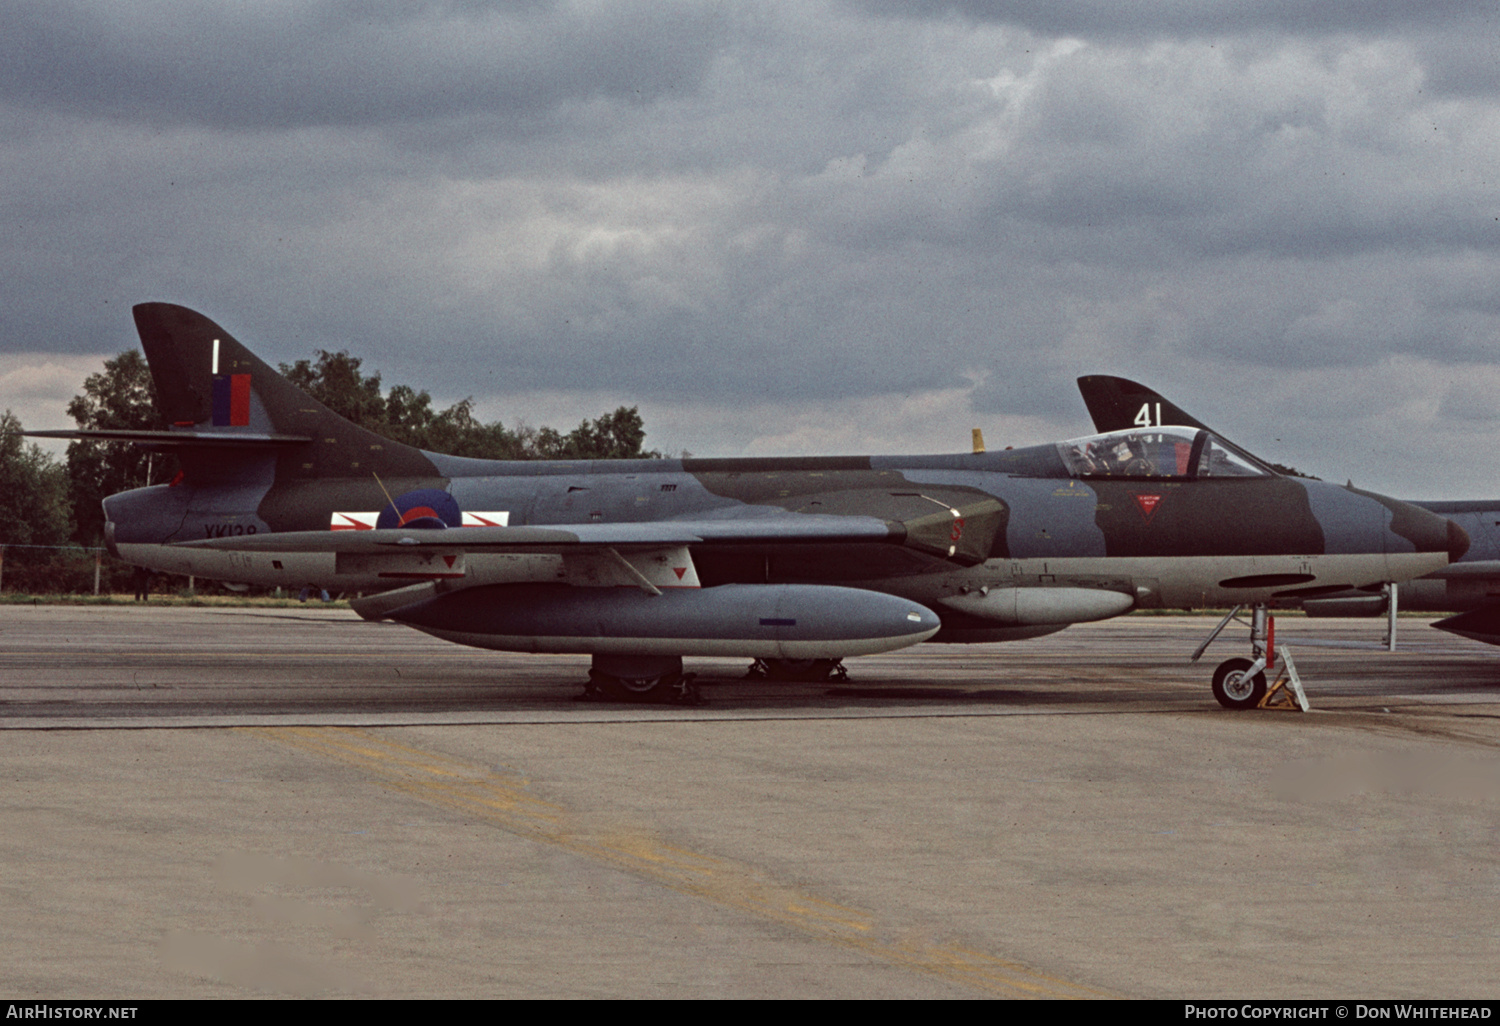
point(219, 399)
point(1118, 404)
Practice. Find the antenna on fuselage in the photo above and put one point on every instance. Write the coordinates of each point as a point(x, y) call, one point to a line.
point(978, 441)
point(386, 492)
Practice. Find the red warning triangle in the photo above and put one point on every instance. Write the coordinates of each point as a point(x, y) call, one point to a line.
point(449, 560)
point(679, 571)
point(1148, 504)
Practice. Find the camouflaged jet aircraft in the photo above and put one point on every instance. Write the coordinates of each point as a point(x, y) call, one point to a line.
point(792, 561)
point(1469, 586)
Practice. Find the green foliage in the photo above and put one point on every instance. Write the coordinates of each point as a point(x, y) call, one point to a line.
point(33, 491)
point(406, 415)
point(336, 382)
point(56, 571)
point(121, 396)
point(614, 436)
point(33, 509)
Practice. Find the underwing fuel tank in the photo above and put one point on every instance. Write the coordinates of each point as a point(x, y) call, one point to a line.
point(764, 621)
point(1041, 606)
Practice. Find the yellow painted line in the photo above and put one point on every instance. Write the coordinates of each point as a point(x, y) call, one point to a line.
point(502, 800)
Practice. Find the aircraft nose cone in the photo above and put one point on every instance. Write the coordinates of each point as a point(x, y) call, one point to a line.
point(1458, 542)
point(1426, 531)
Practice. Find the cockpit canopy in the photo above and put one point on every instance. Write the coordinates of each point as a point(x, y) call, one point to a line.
point(1157, 453)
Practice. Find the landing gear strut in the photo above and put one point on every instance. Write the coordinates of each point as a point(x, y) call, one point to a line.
point(624, 678)
point(1241, 683)
point(808, 670)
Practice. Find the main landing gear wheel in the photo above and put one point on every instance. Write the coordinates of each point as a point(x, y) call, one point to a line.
point(671, 687)
point(813, 671)
point(640, 679)
point(1236, 689)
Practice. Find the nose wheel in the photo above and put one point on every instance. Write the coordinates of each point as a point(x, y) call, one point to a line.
point(1237, 685)
point(1241, 683)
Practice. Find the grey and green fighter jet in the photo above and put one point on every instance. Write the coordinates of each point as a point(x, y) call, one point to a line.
point(1470, 586)
point(792, 561)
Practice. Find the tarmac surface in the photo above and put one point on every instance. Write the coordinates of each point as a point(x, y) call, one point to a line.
point(206, 802)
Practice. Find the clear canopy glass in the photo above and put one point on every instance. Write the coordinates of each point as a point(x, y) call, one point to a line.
point(1169, 452)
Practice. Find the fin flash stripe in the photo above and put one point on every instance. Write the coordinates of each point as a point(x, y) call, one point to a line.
point(231, 400)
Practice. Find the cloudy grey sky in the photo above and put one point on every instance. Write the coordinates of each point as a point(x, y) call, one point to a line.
point(788, 227)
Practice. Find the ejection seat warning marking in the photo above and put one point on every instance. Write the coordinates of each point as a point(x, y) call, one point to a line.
point(1148, 505)
point(507, 802)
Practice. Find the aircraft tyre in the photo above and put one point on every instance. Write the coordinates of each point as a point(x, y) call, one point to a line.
point(812, 671)
point(1234, 688)
point(666, 687)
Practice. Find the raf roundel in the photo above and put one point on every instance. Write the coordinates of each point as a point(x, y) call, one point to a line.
point(423, 508)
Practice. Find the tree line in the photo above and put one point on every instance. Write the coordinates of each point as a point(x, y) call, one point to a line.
point(47, 506)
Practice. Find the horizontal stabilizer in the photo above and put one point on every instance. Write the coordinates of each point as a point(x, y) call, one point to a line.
point(174, 438)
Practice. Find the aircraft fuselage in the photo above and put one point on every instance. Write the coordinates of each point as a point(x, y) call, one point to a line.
point(642, 562)
point(1100, 545)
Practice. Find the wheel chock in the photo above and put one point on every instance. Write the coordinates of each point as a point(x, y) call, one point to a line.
point(1285, 693)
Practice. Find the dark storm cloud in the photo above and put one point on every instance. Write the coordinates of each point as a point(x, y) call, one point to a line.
point(1464, 63)
point(1103, 18)
point(1295, 150)
point(302, 63)
point(798, 210)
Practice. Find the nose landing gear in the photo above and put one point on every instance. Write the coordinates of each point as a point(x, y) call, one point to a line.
point(1241, 683)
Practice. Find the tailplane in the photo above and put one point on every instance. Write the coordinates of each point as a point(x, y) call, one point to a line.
point(213, 391)
point(225, 409)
